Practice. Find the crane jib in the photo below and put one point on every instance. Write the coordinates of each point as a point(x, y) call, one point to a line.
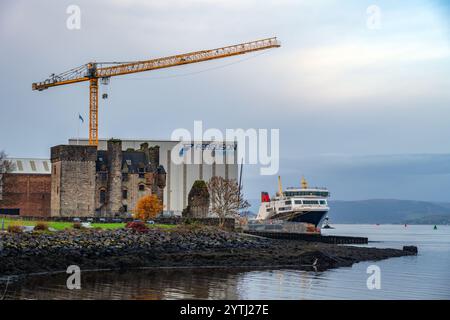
point(93, 71)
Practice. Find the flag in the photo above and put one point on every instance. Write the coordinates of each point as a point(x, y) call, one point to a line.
point(81, 118)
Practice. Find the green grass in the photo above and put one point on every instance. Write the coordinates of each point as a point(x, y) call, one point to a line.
point(68, 225)
point(109, 226)
point(163, 226)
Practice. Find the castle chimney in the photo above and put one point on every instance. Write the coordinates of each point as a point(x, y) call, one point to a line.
point(154, 157)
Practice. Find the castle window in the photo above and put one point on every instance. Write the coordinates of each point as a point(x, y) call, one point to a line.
point(141, 172)
point(141, 187)
point(124, 194)
point(102, 196)
point(125, 208)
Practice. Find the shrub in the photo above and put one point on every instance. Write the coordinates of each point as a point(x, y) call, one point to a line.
point(41, 226)
point(14, 228)
point(76, 225)
point(137, 226)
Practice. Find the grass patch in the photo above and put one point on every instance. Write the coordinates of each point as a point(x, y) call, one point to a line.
point(69, 225)
point(108, 226)
point(163, 226)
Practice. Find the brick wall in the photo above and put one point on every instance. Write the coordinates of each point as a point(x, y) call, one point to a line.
point(30, 193)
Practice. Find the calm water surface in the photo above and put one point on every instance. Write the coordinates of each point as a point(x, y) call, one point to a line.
point(426, 276)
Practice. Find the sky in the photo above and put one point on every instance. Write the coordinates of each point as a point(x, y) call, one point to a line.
point(363, 107)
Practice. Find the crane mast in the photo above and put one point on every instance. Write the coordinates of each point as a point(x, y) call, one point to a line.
point(99, 70)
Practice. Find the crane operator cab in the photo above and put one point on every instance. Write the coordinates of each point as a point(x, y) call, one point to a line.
point(91, 69)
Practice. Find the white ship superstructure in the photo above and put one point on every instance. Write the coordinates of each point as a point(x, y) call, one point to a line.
point(304, 204)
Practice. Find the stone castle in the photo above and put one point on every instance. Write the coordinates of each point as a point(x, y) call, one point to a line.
point(86, 182)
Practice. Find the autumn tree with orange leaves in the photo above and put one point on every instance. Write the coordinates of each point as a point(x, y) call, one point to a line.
point(148, 207)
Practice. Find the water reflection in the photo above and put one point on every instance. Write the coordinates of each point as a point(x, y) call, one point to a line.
point(154, 284)
point(161, 284)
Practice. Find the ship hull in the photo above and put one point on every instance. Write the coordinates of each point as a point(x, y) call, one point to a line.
point(314, 217)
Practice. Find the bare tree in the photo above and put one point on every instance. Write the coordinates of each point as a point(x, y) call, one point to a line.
point(6, 166)
point(226, 198)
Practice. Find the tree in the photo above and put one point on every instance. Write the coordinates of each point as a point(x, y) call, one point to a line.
point(148, 207)
point(6, 166)
point(226, 198)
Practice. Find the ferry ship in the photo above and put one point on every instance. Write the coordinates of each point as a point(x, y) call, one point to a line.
point(304, 204)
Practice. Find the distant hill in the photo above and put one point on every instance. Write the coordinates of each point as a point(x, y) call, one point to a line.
point(389, 211)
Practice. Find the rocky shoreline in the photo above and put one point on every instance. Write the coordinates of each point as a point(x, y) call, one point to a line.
point(27, 253)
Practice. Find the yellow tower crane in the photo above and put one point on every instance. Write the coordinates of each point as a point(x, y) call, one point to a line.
point(96, 70)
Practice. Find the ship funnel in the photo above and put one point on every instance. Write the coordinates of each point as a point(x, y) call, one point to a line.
point(265, 197)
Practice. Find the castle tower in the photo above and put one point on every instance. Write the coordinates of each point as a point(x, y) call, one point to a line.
point(73, 181)
point(114, 203)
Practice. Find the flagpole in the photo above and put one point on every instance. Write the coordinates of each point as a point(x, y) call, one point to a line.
point(78, 132)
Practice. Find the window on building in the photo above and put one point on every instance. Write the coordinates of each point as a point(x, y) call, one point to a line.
point(125, 208)
point(19, 165)
point(54, 169)
point(33, 165)
point(141, 172)
point(141, 187)
point(45, 164)
point(124, 194)
point(102, 196)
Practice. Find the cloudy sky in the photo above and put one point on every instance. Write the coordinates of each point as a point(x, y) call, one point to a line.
point(362, 108)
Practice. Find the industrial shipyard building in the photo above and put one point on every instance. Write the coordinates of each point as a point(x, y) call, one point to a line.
point(181, 176)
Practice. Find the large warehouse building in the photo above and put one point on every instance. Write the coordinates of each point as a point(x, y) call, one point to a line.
point(181, 176)
point(26, 189)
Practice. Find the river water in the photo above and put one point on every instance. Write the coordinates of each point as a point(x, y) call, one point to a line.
point(426, 276)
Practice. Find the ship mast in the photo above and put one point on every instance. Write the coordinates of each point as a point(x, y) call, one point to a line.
point(304, 183)
point(280, 187)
